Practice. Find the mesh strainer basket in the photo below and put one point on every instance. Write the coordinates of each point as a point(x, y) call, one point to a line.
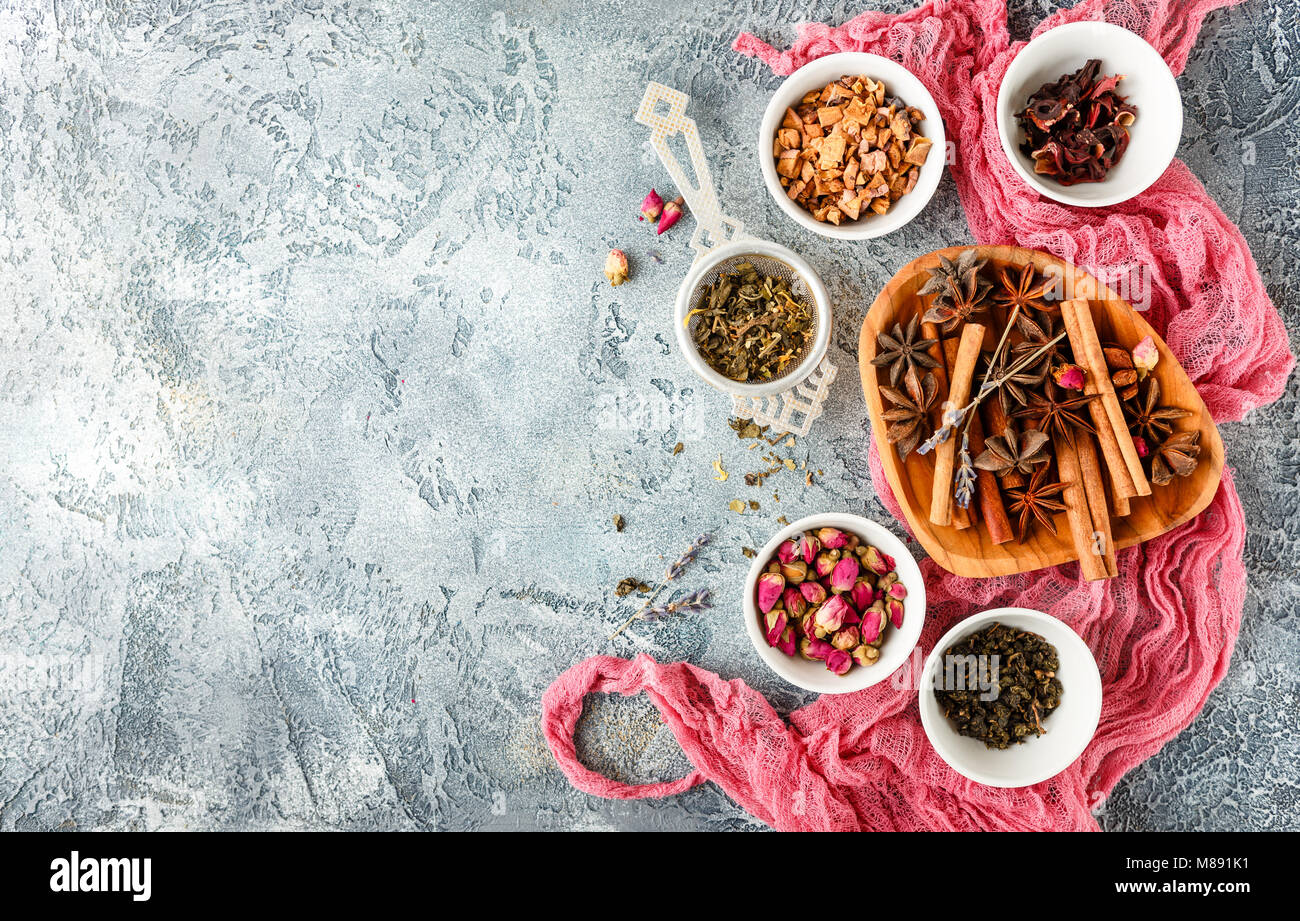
point(793, 400)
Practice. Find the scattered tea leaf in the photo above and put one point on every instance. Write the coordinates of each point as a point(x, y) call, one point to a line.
point(749, 552)
point(737, 506)
point(619, 523)
point(629, 585)
point(678, 448)
point(753, 504)
point(721, 475)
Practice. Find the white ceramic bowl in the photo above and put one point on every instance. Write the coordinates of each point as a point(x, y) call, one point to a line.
point(1148, 83)
point(1070, 726)
point(898, 644)
point(900, 82)
point(821, 304)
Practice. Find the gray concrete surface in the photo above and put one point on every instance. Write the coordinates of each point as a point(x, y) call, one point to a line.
point(315, 408)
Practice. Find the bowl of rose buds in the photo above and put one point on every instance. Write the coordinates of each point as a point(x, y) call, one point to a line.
point(834, 603)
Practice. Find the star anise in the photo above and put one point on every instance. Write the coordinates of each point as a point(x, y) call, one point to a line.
point(1123, 375)
point(1004, 454)
point(909, 417)
point(959, 290)
point(1038, 333)
point(968, 265)
point(1054, 412)
point(1014, 392)
point(900, 350)
point(1036, 502)
point(1148, 418)
point(1177, 456)
point(1026, 291)
point(965, 299)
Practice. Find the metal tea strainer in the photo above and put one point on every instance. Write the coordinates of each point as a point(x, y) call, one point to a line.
point(791, 401)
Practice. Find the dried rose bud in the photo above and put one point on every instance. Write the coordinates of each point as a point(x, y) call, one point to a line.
point(895, 608)
point(830, 616)
point(845, 638)
point(851, 541)
point(876, 561)
point(832, 538)
point(1141, 444)
point(795, 572)
point(866, 655)
point(839, 661)
point(862, 594)
point(787, 642)
point(814, 592)
point(793, 601)
point(672, 214)
point(844, 574)
point(1145, 357)
point(788, 550)
point(872, 622)
point(770, 587)
point(825, 563)
point(652, 206)
point(810, 545)
point(1070, 377)
point(616, 267)
point(774, 622)
point(815, 649)
point(897, 590)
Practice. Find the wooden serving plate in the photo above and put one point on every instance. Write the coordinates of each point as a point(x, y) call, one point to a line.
point(970, 552)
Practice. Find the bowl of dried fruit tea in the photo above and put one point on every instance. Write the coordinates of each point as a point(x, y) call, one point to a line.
point(1089, 114)
point(1010, 697)
point(852, 146)
point(834, 603)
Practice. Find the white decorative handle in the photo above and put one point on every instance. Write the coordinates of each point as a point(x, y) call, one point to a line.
point(663, 111)
point(792, 410)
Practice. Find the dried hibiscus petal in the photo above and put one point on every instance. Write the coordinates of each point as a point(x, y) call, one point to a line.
point(1076, 128)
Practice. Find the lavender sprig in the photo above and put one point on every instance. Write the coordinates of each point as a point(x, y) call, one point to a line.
point(696, 601)
point(964, 485)
point(672, 572)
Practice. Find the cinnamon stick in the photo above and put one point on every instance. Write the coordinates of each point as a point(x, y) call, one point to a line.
point(1094, 487)
point(1114, 436)
point(963, 372)
point(961, 519)
point(1077, 508)
point(987, 493)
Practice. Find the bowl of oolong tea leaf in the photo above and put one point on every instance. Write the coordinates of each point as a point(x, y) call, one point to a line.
point(1010, 697)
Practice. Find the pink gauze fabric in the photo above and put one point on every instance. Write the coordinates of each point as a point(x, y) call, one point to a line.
point(1162, 631)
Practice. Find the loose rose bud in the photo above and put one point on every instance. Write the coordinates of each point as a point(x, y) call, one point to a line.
point(787, 642)
point(844, 574)
point(794, 601)
point(895, 608)
point(830, 616)
point(788, 551)
point(851, 541)
point(795, 571)
point(652, 206)
point(1141, 444)
point(814, 592)
point(872, 622)
point(832, 538)
point(771, 585)
point(825, 563)
point(1070, 377)
point(897, 590)
point(815, 649)
point(672, 214)
point(876, 561)
point(810, 545)
point(774, 622)
point(616, 267)
point(839, 661)
point(1145, 357)
point(866, 655)
point(845, 638)
point(862, 594)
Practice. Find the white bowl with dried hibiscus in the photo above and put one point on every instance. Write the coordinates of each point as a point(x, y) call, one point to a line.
point(834, 603)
